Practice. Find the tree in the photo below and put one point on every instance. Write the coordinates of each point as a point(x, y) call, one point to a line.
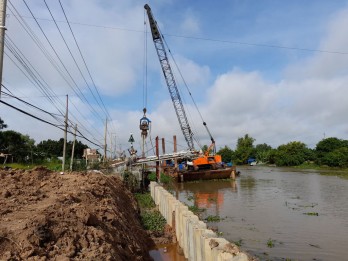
point(2, 124)
point(226, 154)
point(337, 158)
point(292, 154)
point(20, 146)
point(326, 146)
point(244, 150)
point(204, 148)
point(262, 152)
point(52, 148)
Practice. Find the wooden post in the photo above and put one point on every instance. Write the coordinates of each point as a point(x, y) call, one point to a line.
point(175, 150)
point(157, 162)
point(163, 151)
point(233, 174)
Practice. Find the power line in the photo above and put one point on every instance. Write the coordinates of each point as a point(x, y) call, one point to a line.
point(36, 40)
point(67, 71)
point(78, 47)
point(27, 103)
point(67, 46)
point(205, 38)
point(44, 121)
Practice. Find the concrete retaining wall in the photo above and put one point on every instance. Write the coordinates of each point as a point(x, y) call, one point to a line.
point(198, 242)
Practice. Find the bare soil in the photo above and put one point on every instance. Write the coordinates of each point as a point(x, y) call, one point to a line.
point(45, 215)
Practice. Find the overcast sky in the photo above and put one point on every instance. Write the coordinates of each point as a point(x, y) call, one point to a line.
point(277, 70)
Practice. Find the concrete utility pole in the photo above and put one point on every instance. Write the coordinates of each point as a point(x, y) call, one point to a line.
point(65, 133)
point(106, 130)
point(73, 149)
point(2, 36)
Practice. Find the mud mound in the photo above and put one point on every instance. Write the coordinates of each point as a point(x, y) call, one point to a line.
point(48, 216)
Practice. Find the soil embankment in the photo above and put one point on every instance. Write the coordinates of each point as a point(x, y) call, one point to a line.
point(48, 216)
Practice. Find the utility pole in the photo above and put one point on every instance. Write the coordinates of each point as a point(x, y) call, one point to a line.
point(2, 36)
point(106, 130)
point(73, 149)
point(65, 133)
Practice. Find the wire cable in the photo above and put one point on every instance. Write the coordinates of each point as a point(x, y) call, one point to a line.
point(44, 121)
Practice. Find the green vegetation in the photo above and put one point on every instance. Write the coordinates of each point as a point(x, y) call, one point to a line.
point(144, 200)
point(130, 181)
point(151, 218)
point(311, 214)
point(270, 243)
point(213, 219)
point(189, 198)
point(165, 179)
point(23, 152)
point(329, 153)
point(239, 242)
point(196, 210)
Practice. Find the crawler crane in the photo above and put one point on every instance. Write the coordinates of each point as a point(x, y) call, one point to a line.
point(205, 161)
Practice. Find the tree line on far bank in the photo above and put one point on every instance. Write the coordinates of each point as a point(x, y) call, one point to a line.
point(332, 152)
point(22, 148)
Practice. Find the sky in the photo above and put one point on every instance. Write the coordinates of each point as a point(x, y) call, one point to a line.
point(276, 70)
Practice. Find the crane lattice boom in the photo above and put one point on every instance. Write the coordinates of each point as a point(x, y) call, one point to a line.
point(169, 77)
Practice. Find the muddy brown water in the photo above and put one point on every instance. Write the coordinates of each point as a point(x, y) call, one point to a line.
point(277, 213)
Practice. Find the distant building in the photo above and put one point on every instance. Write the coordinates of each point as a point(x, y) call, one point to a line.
point(90, 155)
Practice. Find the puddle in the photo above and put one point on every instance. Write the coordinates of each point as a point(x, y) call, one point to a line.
point(168, 252)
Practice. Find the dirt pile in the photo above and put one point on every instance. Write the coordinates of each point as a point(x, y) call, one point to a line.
point(48, 216)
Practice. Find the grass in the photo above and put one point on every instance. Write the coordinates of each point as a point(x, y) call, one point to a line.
point(151, 218)
point(55, 166)
point(144, 200)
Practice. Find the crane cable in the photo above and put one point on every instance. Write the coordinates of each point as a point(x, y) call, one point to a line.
point(145, 64)
point(187, 88)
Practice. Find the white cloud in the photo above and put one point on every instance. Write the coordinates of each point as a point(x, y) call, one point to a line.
point(194, 74)
point(190, 23)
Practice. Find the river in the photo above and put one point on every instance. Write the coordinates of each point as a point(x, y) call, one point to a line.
point(277, 213)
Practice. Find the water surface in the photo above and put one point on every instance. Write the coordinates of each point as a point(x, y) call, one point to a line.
point(277, 213)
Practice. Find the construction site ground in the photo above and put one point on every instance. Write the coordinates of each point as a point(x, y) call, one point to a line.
point(47, 215)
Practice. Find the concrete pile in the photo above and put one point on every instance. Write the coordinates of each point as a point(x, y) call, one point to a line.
point(198, 242)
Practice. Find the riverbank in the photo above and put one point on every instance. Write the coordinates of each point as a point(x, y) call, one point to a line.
point(78, 216)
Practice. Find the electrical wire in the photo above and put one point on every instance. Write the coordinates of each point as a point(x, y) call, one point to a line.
point(66, 70)
point(26, 27)
point(84, 61)
point(205, 38)
point(44, 121)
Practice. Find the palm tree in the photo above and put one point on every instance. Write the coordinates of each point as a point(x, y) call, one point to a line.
point(2, 124)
